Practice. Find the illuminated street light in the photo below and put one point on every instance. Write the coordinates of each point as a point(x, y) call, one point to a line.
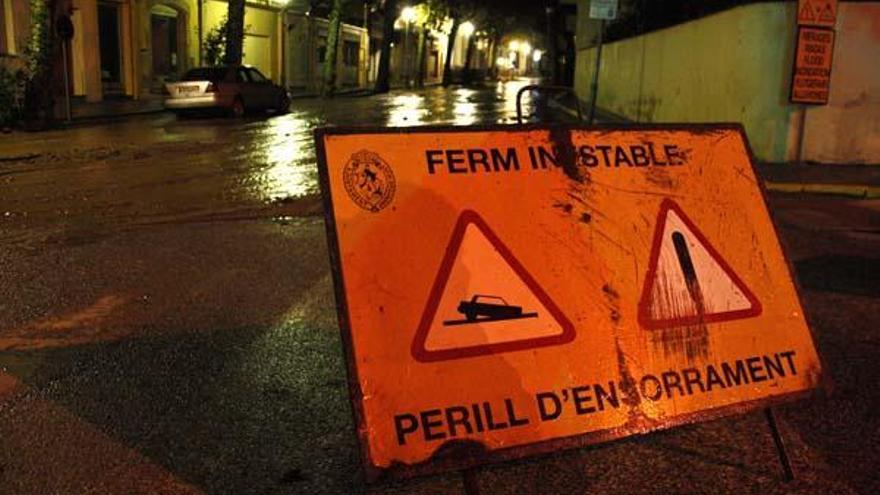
point(536, 56)
point(467, 28)
point(513, 45)
point(408, 14)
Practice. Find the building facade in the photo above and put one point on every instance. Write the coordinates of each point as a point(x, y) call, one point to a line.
point(130, 48)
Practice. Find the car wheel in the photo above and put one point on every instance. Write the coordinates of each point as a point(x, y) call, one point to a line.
point(238, 108)
point(283, 105)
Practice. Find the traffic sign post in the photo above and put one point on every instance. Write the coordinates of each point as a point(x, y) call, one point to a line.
point(811, 67)
point(511, 290)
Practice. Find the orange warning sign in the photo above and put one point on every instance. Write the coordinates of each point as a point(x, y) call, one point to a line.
point(811, 76)
point(515, 290)
point(817, 13)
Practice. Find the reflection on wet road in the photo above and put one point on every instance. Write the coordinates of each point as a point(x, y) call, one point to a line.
point(157, 169)
point(167, 323)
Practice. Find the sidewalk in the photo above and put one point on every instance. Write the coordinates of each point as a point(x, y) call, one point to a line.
point(856, 181)
point(115, 107)
point(82, 111)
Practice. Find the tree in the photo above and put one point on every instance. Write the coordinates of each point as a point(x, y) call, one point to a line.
point(495, 31)
point(234, 32)
point(450, 47)
point(332, 49)
point(429, 15)
point(215, 43)
point(459, 11)
point(478, 16)
point(383, 77)
point(43, 73)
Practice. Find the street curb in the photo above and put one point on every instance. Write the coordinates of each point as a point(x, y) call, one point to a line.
point(86, 119)
point(857, 191)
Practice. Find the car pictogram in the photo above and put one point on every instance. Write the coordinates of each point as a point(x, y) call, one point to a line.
point(485, 308)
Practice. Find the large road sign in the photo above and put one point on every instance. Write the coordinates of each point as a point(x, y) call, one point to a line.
point(510, 290)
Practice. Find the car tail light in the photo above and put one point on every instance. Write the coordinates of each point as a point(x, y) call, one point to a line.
point(210, 88)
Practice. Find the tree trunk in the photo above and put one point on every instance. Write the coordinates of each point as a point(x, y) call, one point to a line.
point(331, 50)
point(493, 56)
point(234, 33)
point(450, 46)
point(420, 56)
point(384, 74)
point(468, 59)
point(369, 49)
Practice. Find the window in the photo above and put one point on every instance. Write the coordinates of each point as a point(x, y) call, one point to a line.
point(351, 52)
point(322, 49)
point(205, 74)
point(257, 76)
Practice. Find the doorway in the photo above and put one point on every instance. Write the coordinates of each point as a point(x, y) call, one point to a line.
point(167, 33)
point(110, 47)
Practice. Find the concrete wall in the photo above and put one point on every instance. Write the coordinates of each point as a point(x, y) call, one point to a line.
point(853, 109)
point(735, 66)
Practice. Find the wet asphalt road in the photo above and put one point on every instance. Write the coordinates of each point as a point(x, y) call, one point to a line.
point(167, 323)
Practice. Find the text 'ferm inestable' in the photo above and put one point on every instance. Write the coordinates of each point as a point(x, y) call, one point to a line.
point(511, 159)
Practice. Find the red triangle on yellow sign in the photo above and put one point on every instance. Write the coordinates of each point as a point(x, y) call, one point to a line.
point(484, 301)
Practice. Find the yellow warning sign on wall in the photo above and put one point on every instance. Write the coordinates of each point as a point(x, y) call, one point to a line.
point(507, 291)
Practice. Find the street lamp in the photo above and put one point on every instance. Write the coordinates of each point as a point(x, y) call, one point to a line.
point(467, 28)
point(408, 14)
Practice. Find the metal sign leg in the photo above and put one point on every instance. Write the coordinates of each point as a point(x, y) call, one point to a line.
point(787, 473)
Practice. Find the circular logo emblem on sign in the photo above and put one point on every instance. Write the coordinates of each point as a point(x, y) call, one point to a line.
point(369, 181)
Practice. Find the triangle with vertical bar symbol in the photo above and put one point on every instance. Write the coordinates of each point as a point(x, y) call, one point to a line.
point(688, 281)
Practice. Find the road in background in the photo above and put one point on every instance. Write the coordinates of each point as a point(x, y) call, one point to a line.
point(167, 323)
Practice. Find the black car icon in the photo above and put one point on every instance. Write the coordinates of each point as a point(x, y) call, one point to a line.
point(485, 307)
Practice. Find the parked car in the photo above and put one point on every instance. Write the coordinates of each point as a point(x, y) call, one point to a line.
point(238, 89)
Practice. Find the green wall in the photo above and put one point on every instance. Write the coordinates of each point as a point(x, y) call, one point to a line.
point(733, 66)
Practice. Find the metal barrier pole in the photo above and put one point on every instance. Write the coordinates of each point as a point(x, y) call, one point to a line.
point(787, 473)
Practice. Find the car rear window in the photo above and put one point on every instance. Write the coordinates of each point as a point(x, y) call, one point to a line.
point(205, 74)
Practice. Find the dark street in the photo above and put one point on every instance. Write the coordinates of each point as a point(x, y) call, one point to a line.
point(167, 323)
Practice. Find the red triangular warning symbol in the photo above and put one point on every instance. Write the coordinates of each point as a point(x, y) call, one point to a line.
point(827, 15)
point(483, 301)
point(688, 282)
point(806, 13)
